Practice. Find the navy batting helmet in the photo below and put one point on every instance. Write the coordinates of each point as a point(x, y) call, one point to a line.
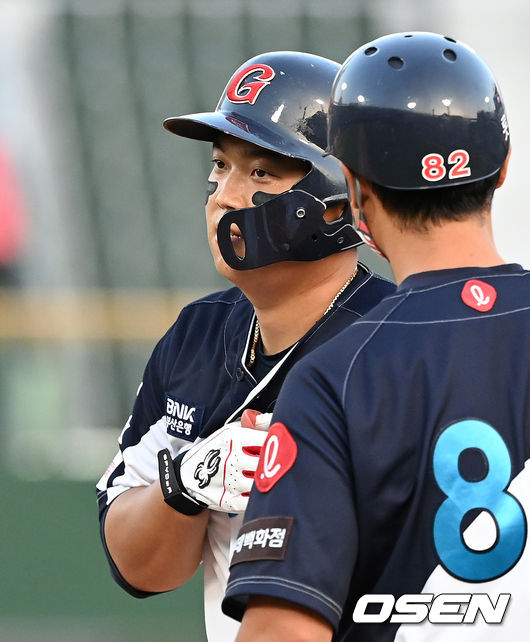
point(279, 101)
point(417, 110)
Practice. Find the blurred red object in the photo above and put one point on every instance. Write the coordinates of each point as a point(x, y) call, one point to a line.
point(13, 221)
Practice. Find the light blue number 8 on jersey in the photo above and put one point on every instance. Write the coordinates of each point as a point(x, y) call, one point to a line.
point(463, 496)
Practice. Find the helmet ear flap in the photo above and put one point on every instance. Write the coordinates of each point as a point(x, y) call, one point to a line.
point(289, 227)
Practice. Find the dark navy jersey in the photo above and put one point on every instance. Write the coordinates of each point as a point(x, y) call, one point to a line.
point(393, 491)
point(196, 381)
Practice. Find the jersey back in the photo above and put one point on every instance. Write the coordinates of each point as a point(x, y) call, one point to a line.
point(410, 488)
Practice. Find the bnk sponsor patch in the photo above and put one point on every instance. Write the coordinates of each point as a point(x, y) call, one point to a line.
point(262, 539)
point(183, 418)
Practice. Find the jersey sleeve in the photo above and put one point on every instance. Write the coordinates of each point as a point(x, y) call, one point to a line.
point(292, 544)
point(143, 436)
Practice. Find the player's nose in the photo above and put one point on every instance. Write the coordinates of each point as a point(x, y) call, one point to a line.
point(231, 193)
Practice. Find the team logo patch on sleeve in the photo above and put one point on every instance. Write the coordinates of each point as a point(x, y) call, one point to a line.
point(278, 454)
point(479, 295)
point(262, 539)
point(183, 418)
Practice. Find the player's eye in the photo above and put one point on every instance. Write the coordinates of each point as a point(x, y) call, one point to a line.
point(261, 173)
point(219, 164)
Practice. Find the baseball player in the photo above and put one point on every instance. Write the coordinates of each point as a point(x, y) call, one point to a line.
point(391, 500)
point(281, 230)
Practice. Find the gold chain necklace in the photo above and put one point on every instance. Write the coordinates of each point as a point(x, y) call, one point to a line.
point(255, 338)
point(341, 290)
point(252, 354)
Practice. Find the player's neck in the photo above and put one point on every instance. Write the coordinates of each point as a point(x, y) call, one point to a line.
point(293, 296)
point(454, 244)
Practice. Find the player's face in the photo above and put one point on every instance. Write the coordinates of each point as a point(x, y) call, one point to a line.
point(240, 169)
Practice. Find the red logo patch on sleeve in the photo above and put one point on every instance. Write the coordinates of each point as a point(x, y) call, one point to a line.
point(479, 295)
point(278, 454)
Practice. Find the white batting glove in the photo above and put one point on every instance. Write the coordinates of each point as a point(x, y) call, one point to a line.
point(218, 472)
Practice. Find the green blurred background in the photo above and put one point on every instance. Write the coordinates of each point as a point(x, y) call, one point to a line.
point(102, 242)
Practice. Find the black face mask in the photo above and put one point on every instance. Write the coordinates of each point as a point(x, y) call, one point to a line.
point(287, 227)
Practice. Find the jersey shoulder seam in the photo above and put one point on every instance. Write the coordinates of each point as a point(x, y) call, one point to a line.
point(377, 326)
point(222, 297)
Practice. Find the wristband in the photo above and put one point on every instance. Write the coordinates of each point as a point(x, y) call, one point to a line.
point(174, 496)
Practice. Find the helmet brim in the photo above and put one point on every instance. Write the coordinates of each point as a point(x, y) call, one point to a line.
point(207, 126)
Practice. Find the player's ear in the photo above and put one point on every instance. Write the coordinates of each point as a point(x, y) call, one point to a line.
point(504, 169)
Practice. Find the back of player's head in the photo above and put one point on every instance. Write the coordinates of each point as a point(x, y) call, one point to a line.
point(417, 111)
point(279, 101)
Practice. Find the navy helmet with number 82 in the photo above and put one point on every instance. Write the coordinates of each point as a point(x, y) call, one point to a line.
point(417, 110)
